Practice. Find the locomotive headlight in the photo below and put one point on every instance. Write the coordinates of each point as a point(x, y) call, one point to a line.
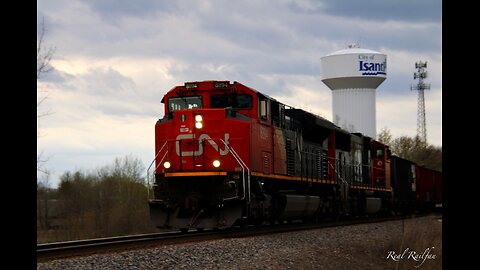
point(198, 121)
point(216, 163)
point(167, 165)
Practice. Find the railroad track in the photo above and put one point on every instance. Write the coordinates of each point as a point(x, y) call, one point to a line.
point(57, 250)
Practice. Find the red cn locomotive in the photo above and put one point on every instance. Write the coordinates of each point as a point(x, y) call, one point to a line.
point(227, 154)
point(203, 156)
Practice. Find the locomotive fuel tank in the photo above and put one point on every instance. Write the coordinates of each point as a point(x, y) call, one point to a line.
point(373, 205)
point(291, 207)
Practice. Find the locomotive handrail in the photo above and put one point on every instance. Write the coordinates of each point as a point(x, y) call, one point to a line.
point(157, 156)
point(345, 183)
point(357, 168)
point(248, 170)
point(148, 170)
point(246, 182)
point(159, 163)
point(336, 172)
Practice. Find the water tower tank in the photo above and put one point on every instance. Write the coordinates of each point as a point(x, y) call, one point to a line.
point(353, 75)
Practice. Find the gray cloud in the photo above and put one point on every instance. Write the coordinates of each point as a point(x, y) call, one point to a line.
point(107, 82)
point(262, 36)
point(381, 10)
point(56, 76)
point(118, 58)
point(112, 10)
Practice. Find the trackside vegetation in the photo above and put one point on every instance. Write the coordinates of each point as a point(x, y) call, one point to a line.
point(110, 201)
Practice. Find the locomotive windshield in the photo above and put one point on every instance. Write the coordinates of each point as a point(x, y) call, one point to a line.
point(234, 101)
point(183, 103)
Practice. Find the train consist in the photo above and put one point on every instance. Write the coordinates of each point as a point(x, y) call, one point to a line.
point(228, 155)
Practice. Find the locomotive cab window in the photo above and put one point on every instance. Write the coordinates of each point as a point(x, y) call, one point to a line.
point(183, 103)
point(234, 101)
point(379, 153)
point(264, 110)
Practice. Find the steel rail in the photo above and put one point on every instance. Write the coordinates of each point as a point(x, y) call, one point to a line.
point(57, 250)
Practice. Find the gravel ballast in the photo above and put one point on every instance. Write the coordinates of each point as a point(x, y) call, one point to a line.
point(386, 245)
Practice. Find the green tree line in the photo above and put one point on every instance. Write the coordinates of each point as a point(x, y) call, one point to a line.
point(111, 201)
point(414, 149)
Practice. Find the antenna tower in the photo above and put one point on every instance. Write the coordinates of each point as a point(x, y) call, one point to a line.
point(420, 87)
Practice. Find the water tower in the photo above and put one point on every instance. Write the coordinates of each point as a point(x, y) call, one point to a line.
point(353, 75)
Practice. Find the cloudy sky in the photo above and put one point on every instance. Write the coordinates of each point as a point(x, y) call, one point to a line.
point(115, 59)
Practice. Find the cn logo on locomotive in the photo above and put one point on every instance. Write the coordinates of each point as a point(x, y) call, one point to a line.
point(203, 137)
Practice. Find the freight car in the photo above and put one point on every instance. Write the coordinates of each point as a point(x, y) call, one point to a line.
point(415, 187)
point(227, 154)
point(403, 175)
point(428, 189)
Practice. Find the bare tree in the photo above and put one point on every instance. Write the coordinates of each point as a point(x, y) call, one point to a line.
point(43, 190)
point(413, 148)
point(385, 136)
point(44, 57)
point(108, 202)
